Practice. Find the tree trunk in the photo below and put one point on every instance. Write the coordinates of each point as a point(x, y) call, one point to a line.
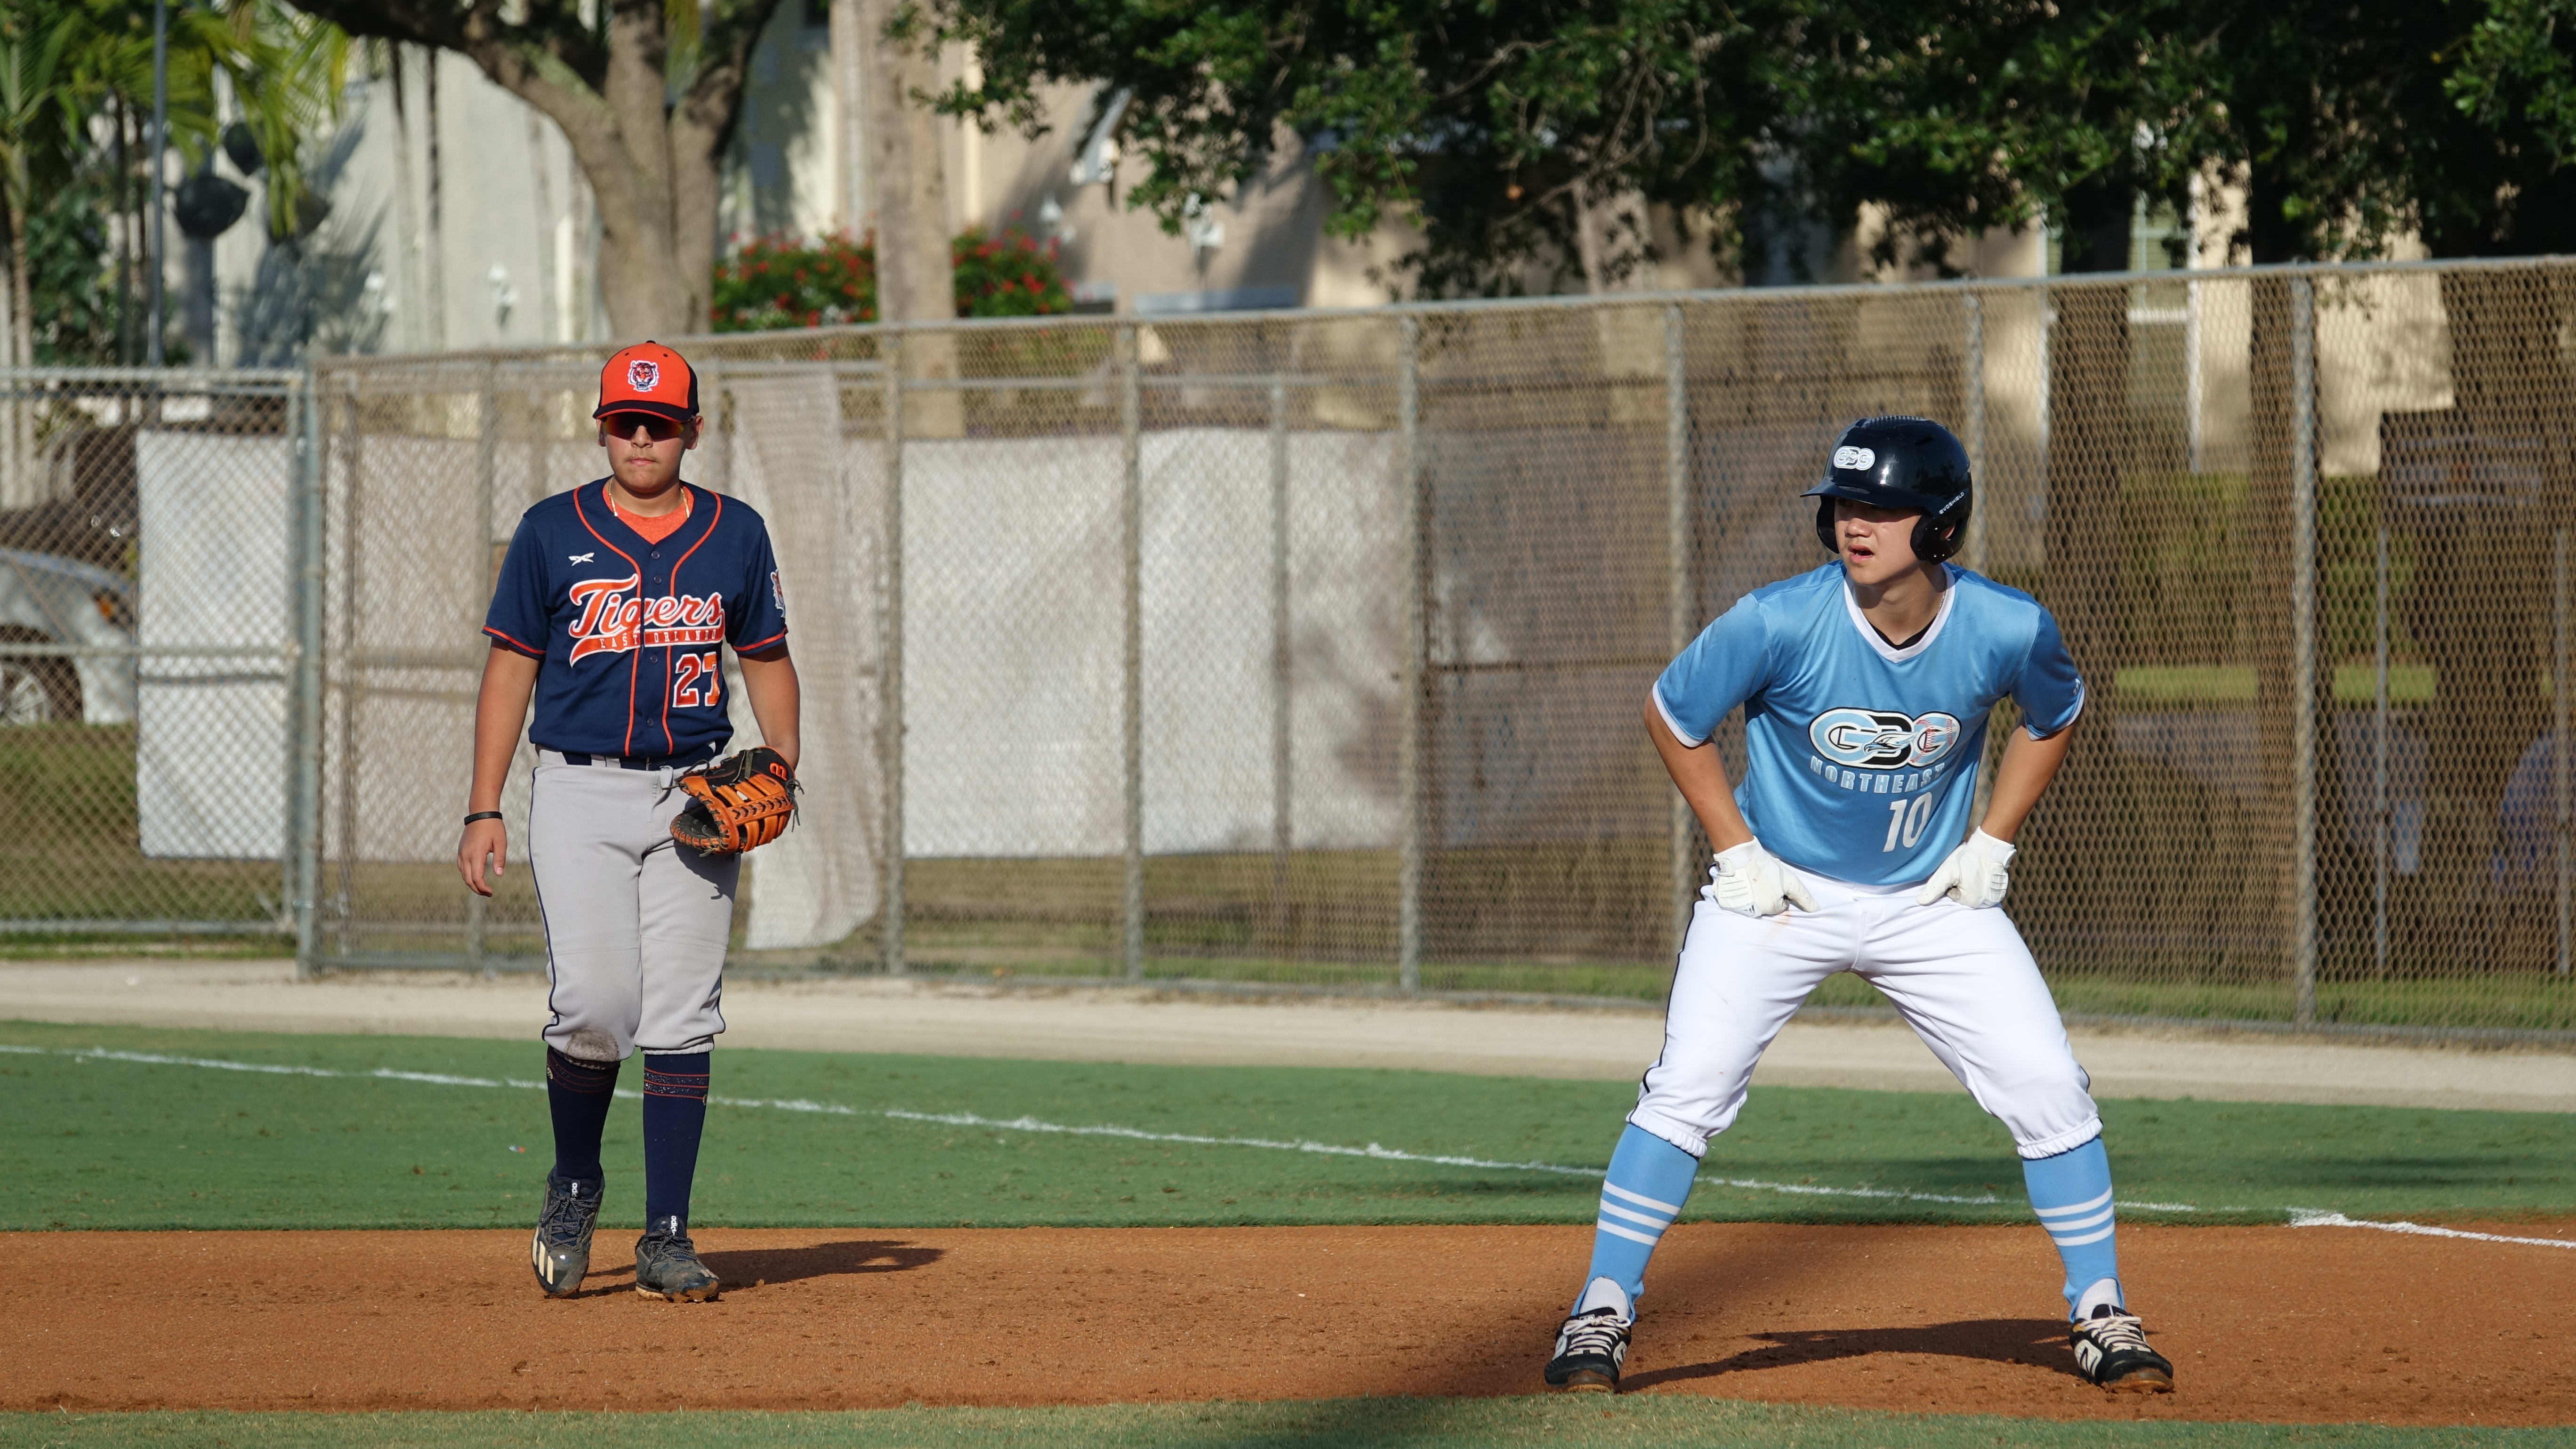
point(916, 273)
point(651, 158)
point(434, 254)
point(13, 459)
point(640, 257)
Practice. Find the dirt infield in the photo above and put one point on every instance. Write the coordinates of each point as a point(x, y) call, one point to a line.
point(2322, 1324)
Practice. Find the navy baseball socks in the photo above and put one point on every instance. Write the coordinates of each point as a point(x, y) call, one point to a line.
point(1641, 1194)
point(578, 1095)
point(675, 1116)
point(2071, 1193)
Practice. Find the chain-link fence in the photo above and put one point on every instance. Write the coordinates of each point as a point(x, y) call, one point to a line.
point(148, 593)
point(1310, 648)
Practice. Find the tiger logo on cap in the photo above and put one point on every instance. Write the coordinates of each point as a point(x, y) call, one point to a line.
point(643, 374)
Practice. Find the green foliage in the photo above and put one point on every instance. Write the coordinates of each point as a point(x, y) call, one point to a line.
point(774, 282)
point(75, 314)
point(1491, 126)
point(1488, 125)
point(74, 71)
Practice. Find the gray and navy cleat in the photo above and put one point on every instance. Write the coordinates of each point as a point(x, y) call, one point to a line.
point(2111, 1350)
point(667, 1266)
point(1593, 1343)
point(560, 1251)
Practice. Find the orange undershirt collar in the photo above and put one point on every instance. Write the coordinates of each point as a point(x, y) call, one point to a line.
point(657, 528)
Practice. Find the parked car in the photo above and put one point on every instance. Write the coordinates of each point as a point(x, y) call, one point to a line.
point(48, 599)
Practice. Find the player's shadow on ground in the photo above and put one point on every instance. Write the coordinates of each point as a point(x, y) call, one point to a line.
point(2037, 1341)
point(742, 1268)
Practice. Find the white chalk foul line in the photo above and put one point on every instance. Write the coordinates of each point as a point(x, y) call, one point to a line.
point(2319, 1218)
point(1373, 1151)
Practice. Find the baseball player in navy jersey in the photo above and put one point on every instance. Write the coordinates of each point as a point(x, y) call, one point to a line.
point(1866, 686)
point(613, 609)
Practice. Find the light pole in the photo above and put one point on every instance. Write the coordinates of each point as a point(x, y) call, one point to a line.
point(160, 142)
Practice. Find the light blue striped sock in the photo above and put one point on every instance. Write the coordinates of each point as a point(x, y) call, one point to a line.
point(2071, 1192)
point(1648, 1181)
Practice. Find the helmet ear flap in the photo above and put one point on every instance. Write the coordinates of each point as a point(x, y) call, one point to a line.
point(1825, 526)
point(1938, 535)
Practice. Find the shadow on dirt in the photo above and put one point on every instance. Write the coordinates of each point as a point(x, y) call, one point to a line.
point(744, 1267)
point(1999, 1340)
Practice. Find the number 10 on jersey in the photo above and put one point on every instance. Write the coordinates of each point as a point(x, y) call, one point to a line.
point(695, 680)
point(1906, 820)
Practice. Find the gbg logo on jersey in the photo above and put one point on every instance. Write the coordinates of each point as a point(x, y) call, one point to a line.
point(1882, 739)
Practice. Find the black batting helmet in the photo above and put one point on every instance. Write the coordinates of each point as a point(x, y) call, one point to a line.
point(1900, 463)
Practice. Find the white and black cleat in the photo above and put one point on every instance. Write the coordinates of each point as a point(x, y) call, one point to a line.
point(2111, 1350)
point(1593, 1343)
point(560, 1251)
point(667, 1266)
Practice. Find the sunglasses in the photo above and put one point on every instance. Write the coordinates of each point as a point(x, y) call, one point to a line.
point(655, 426)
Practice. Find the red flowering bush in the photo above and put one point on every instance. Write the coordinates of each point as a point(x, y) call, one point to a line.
point(776, 282)
point(1010, 275)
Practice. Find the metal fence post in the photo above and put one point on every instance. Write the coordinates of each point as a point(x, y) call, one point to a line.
point(1972, 378)
point(311, 577)
point(352, 668)
point(1282, 798)
point(2380, 824)
point(2558, 742)
point(1416, 668)
point(890, 710)
point(487, 448)
point(1683, 853)
point(2303, 649)
point(1131, 685)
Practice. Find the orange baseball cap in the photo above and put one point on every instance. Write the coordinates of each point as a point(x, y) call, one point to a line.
point(648, 378)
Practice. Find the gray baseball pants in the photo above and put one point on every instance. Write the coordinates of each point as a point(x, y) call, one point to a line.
point(636, 923)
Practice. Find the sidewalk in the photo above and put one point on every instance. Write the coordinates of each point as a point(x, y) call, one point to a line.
point(874, 1014)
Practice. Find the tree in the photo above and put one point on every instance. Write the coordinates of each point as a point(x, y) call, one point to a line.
point(647, 98)
point(70, 69)
point(1498, 128)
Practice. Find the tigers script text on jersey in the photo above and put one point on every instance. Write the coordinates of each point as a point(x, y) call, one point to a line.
point(631, 632)
point(1862, 757)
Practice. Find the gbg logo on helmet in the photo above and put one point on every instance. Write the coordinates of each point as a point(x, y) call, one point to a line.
point(1856, 460)
point(1881, 739)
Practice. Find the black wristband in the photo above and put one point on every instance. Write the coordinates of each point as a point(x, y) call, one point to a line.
point(482, 815)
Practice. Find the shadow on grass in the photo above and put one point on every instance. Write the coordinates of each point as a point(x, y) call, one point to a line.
point(1997, 1340)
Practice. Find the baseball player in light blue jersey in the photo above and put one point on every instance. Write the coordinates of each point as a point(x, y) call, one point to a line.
point(1866, 686)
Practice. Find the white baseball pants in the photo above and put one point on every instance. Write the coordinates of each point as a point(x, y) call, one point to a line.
point(1961, 978)
point(636, 923)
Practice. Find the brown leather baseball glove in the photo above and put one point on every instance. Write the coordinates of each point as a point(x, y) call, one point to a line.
point(741, 802)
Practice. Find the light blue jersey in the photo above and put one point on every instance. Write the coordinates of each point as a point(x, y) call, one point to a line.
point(1863, 757)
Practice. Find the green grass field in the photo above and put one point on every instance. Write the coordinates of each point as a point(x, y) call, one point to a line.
point(109, 1143)
point(1643, 1422)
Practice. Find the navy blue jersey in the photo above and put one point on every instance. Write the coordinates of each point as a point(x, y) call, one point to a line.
point(1862, 757)
point(630, 632)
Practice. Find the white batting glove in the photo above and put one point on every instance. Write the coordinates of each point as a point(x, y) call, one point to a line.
point(1976, 874)
point(1751, 881)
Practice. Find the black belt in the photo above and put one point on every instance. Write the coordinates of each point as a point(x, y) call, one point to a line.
point(643, 762)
